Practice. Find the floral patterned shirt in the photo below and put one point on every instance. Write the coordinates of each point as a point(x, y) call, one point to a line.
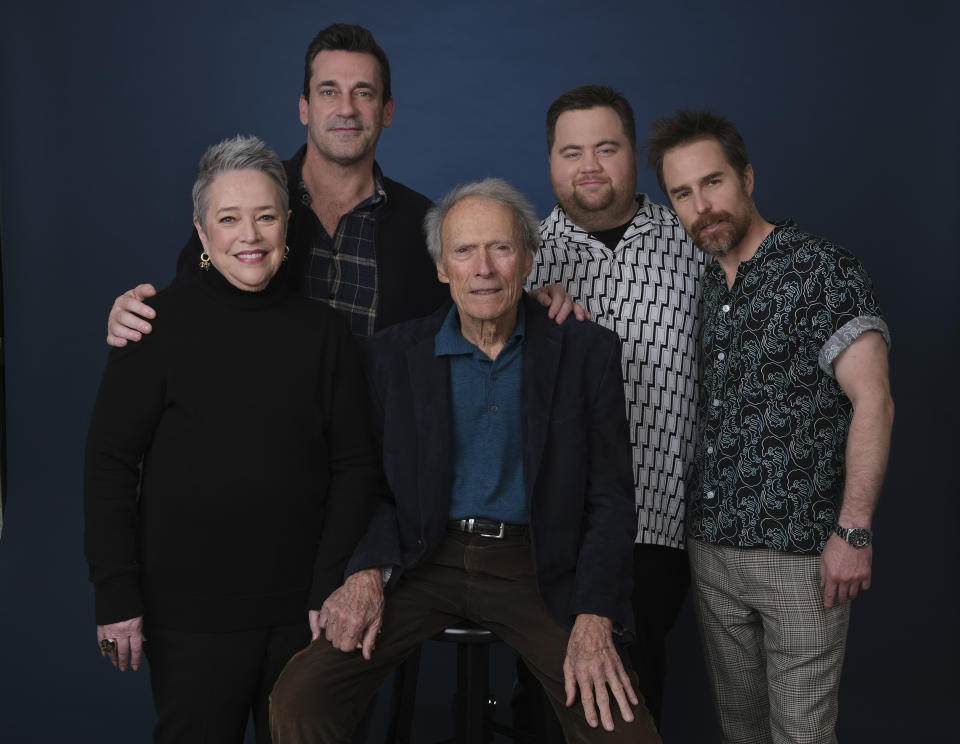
point(772, 420)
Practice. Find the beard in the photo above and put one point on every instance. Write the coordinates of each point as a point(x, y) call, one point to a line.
point(723, 240)
point(598, 210)
point(594, 202)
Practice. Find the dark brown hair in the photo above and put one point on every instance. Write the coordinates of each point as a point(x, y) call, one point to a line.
point(588, 97)
point(685, 127)
point(346, 37)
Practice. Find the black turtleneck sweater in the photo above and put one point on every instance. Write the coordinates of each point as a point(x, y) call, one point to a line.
point(249, 412)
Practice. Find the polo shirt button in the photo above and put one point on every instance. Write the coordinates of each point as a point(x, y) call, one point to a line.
point(710, 450)
point(725, 308)
point(716, 402)
point(710, 494)
point(721, 356)
point(494, 408)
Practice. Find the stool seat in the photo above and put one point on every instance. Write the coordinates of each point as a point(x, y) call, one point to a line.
point(466, 632)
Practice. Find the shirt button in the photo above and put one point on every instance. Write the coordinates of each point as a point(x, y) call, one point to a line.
point(494, 408)
point(710, 494)
point(493, 376)
point(610, 311)
point(721, 356)
point(725, 308)
point(333, 295)
point(710, 450)
point(716, 402)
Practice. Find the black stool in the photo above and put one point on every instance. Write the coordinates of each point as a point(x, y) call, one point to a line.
point(473, 707)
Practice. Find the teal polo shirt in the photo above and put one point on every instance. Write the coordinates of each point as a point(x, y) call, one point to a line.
point(487, 405)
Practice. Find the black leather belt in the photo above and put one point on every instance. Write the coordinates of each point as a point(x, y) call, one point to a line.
point(486, 527)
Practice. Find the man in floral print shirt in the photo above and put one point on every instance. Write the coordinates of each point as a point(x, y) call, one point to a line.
point(794, 423)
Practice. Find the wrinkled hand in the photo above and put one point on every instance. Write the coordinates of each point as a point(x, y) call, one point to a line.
point(592, 663)
point(126, 321)
point(559, 302)
point(129, 637)
point(844, 571)
point(351, 617)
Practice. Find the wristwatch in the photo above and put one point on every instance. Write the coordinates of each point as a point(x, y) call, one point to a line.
point(858, 537)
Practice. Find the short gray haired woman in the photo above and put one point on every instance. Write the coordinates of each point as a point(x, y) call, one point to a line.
point(230, 468)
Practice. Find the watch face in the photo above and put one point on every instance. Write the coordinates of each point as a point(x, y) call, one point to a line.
point(858, 537)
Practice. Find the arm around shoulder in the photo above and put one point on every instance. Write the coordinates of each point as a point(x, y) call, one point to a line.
point(129, 315)
point(127, 319)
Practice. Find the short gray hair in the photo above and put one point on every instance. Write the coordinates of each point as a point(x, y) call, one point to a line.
point(236, 153)
point(496, 190)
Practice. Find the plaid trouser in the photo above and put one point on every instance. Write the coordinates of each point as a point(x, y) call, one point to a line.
point(773, 651)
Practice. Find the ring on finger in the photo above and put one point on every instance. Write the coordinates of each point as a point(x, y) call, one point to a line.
point(108, 645)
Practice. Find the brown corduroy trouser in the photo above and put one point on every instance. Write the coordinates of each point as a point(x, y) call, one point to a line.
point(322, 693)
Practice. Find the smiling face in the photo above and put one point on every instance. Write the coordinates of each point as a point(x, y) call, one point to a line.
point(593, 168)
point(484, 261)
point(345, 112)
point(244, 228)
point(711, 199)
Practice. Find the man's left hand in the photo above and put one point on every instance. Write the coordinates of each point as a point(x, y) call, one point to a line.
point(844, 571)
point(592, 663)
point(559, 302)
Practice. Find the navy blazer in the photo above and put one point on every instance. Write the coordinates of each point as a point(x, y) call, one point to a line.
point(576, 460)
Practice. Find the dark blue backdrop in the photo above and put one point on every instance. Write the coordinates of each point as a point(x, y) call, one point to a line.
point(850, 113)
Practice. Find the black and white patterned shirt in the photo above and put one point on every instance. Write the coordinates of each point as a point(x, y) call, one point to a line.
point(773, 420)
point(646, 291)
point(341, 269)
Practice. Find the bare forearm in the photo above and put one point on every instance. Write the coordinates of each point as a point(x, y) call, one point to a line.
point(868, 447)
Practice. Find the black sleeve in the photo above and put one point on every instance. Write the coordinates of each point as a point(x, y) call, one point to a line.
point(356, 480)
point(126, 414)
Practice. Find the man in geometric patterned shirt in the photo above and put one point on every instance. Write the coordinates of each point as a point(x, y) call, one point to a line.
point(794, 423)
point(630, 264)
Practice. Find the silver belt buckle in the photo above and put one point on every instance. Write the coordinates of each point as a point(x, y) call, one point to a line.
point(470, 528)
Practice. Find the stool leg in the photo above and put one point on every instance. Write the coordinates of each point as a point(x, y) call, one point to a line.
point(403, 700)
point(472, 693)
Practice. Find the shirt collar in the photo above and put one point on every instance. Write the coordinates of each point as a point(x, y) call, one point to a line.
point(646, 218)
point(768, 247)
point(377, 199)
point(449, 340)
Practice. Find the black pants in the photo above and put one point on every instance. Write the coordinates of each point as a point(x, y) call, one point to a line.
point(661, 578)
point(323, 692)
point(206, 685)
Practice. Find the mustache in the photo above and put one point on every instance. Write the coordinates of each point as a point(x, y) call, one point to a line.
point(348, 122)
point(708, 219)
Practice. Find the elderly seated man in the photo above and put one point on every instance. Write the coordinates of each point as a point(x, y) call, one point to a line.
point(505, 446)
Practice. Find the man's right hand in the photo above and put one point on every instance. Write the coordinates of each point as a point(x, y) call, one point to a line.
point(351, 617)
point(126, 321)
